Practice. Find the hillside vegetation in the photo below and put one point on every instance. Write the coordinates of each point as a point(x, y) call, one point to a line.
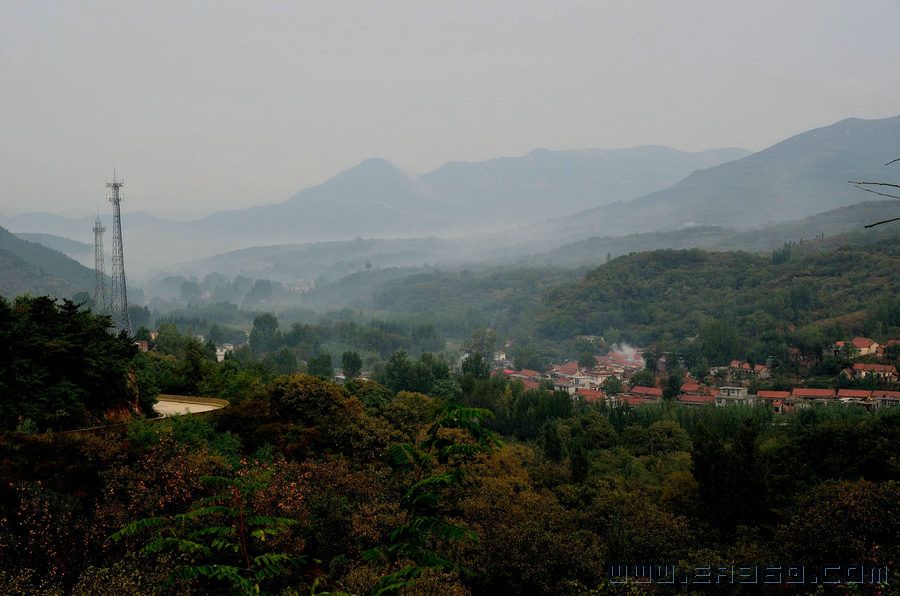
point(838, 226)
point(672, 295)
point(30, 268)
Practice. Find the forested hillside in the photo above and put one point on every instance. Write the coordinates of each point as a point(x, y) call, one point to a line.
point(471, 486)
point(501, 298)
point(30, 268)
point(675, 295)
point(60, 368)
point(67, 246)
point(835, 227)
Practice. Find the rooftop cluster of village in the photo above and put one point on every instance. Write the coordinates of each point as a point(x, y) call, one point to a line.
point(621, 377)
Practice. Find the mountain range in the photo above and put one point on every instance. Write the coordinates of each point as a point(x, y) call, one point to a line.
point(541, 201)
point(798, 177)
point(328, 261)
point(375, 199)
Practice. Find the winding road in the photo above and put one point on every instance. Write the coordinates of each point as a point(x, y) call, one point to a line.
point(169, 405)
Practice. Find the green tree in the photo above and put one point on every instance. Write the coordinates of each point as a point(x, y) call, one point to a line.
point(320, 366)
point(643, 378)
point(586, 360)
point(578, 455)
point(282, 362)
point(351, 364)
point(225, 538)
point(482, 341)
point(612, 385)
point(265, 337)
point(477, 366)
point(169, 340)
point(424, 540)
point(397, 371)
point(719, 341)
point(194, 366)
point(59, 365)
point(673, 385)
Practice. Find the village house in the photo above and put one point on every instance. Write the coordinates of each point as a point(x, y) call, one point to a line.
point(773, 395)
point(813, 394)
point(590, 395)
point(222, 350)
point(882, 372)
point(886, 399)
point(734, 395)
point(861, 397)
point(858, 346)
point(530, 379)
point(523, 375)
point(633, 360)
point(624, 399)
point(565, 384)
point(652, 393)
point(691, 388)
point(738, 369)
point(779, 400)
point(567, 369)
point(697, 399)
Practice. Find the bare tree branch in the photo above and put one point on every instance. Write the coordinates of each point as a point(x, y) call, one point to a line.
point(875, 192)
point(857, 183)
point(862, 186)
point(878, 223)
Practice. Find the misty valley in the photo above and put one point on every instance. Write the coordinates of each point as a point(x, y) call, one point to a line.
point(536, 349)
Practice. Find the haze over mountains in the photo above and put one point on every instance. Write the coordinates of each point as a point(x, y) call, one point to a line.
point(507, 208)
point(375, 199)
point(798, 177)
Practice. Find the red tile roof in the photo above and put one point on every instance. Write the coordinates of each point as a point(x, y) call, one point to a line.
point(877, 368)
point(690, 387)
point(857, 393)
point(862, 342)
point(569, 368)
point(654, 391)
point(590, 395)
point(810, 392)
point(529, 373)
point(529, 384)
point(760, 367)
point(632, 400)
point(773, 394)
point(697, 399)
point(634, 359)
point(890, 394)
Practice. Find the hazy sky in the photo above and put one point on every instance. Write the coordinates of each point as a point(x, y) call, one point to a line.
point(210, 105)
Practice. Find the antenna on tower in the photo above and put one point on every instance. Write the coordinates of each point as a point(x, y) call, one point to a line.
point(119, 294)
point(101, 296)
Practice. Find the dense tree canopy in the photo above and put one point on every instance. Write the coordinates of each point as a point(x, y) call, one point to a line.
point(60, 367)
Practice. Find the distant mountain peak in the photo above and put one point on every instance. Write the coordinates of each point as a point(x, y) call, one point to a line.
point(371, 167)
